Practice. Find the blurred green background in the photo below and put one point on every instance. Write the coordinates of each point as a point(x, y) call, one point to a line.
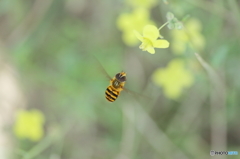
point(53, 87)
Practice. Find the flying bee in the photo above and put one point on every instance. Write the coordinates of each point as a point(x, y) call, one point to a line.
point(115, 87)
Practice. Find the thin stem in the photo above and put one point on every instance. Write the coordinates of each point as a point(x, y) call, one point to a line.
point(45, 143)
point(163, 25)
point(144, 124)
point(217, 108)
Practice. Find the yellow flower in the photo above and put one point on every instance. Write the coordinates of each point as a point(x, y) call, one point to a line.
point(150, 39)
point(142, 3)
point(173, 78)
point(29, 124)
point(127, 22)
point(191, 36)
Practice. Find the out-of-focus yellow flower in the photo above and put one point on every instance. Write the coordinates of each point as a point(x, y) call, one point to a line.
point(142, 3)
point(29, 124)
point(191, 36)
point(127, 22)
point(173, 78)
point(150, 39)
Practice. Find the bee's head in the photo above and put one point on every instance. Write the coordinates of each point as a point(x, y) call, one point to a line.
point(121, 77)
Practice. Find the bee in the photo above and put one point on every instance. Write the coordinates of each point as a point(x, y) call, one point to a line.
point(116, 86)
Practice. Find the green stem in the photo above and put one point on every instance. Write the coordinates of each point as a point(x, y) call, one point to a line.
point(46, 142)
point(163, 25)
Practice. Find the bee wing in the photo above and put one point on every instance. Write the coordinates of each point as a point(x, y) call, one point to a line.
point(102, 68)
point(137, 95)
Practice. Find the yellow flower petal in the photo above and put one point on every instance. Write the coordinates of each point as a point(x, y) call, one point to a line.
point(129, 38)
point(173, 92)
point(151, 32)
point(161, 44)
point(138, 35)
point(122, 21)
point(140, 15)
point(194, 25)
point(151, 50)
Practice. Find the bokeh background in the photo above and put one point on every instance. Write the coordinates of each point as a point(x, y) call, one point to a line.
point(185, 100)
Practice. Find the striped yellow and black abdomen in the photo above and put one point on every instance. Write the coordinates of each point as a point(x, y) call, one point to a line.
point(111, 93)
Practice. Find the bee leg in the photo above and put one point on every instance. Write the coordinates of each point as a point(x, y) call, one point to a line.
point(121, 88)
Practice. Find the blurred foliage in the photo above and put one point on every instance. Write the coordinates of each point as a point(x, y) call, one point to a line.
point(190, 36)
point(52, 45)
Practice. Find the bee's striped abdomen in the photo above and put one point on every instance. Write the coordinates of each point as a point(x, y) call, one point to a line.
point(111, 94)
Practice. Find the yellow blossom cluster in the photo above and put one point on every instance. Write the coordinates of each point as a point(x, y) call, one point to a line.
point(174, 78)
point(136, 20)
